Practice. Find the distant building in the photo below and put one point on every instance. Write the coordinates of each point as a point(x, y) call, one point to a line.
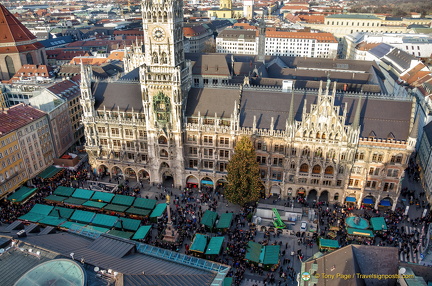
point(278, 43)
point(17, 46)
point(225, 11)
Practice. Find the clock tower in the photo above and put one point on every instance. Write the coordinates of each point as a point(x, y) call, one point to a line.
point(165, 82)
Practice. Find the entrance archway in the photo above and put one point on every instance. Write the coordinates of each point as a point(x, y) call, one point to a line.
point(386, 202)
point(103, 170)
point(324, 196)
point(220, 185)
point(191, 182)
point(312, 196)
point(143, 175)
point(368, 201)
point(301, 192)
point(207, 182)
point(130, 174)
point(168, 179)
point(275, 190)
point(116, 171)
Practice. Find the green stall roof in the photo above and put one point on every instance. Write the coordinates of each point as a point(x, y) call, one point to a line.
point(74, 201)
point(55, 198)
point(215, 245)
point(270, 254)
point(142, 232)
point(103, 196)
point(137, 211)
point(209, 218)
point(122, 234)
point(159, 210)
point(378, 223)
point(33, 217)
point(105, 220)
point(93, 204)
point(227, 281)
point(115, 208)
point(199, 243)
point(253, 251)
point(123, 200)
point(225, 220)
point(72, 225)
point(52, 220)
point(360, 232)
point(83, 194)
point(21, 194)
point(128, 223)
point(49, 172)
point(64, 191)
point(41, 209)
point(82, 216)
point(144, 203)
point(330, 243)
point(61, 212)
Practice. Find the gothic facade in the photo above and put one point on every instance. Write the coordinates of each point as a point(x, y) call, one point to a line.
point(323, 143)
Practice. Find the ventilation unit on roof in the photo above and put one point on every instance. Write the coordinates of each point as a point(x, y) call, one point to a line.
point(287, 85)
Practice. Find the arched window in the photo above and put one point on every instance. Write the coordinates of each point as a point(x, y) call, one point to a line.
point(316, 169)
point(323, 136)
point(329, 170)
point(304, 168)
point(318, 153)
point(29, 59)
point(164, 58)
point(155, 58)
point(10, 66)
point(318, 135)
point(162, 140)
point(305, 152)
point(163, 153)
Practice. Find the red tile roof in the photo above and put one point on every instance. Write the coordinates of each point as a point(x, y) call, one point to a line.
point(13, 31)
point(320, 37)
point(18, 116)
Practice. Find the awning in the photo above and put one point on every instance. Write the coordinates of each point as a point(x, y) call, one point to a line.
point(55, 198)
point(206, 182)
point(83, 194)
point(209, 218)
point(128, 223)
point(64, 191)
point(199, 243)
point(105, 220)
point(102, 196)
point(122, 234)
point(82, 216)
point(123, 200)
point(138, 211)
point(368, 201)
point(225, 220)
point(329, 243)
point(385, 203)
point(350, 199)
point(360, 232)
point(142, 232)
point(115, 208)
point(144, 203)
point(378, 223)
point(93, 204)
point(49, 172)
point(215, 245)
point(21, 194)
point(159, 210)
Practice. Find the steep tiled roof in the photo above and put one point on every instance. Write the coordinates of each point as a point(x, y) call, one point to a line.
point(31, 71)
point(18, 116)
point(13, 31)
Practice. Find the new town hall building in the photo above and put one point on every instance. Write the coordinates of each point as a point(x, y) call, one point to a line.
point(322, 128)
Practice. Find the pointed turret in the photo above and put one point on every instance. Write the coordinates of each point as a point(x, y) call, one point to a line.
point(261, 40)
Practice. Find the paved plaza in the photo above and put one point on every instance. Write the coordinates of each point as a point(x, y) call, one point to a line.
point(188, 206)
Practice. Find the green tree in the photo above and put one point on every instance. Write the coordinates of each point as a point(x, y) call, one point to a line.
point(244, 183)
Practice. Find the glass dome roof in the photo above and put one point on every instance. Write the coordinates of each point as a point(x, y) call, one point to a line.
point(54, 272)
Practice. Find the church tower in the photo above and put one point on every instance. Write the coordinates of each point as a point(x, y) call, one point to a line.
point(165, 82)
